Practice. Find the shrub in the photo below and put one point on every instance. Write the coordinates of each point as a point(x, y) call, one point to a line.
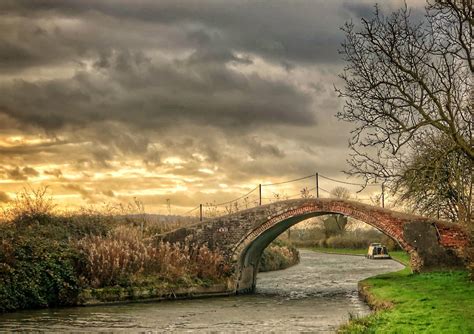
point(30, 205)
point(347, 241)
point(209, 263)
point(278, 255)
point(354, 239)
point(46, 257)
point(36, 271)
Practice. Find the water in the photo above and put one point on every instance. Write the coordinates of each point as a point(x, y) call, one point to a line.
point(316, 295)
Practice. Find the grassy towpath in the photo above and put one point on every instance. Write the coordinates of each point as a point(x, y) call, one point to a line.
point(437, 302)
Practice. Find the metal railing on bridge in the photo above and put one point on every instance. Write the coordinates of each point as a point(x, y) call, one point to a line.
point(309, 187)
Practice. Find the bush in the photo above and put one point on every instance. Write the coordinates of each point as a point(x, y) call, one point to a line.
point(278, 255)
point(36, 272)
point(29, 205)
point(111, 260)
point(347, 241)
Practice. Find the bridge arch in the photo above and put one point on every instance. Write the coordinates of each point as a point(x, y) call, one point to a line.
point(242, 236)
point(248, 250)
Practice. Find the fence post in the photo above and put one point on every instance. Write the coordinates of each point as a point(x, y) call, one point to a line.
point(200, 212)
point(260, 194)
point(317, 185)
point(383, 196)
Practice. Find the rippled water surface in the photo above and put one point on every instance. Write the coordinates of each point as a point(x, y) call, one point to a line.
point(316, 295)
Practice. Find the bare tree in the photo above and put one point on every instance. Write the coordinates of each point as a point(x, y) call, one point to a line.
point(406, 83)
point(341, 192)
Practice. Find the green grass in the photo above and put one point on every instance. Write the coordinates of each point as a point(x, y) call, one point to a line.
point(437, 302)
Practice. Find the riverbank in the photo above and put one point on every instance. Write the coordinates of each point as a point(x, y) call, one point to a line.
point(277, 256)
point(315, 296)
point(438, 302)
point(152, 293)
point(52, 260)
point(87, 258)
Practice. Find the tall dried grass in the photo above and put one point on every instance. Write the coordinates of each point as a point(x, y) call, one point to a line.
point(125, 254)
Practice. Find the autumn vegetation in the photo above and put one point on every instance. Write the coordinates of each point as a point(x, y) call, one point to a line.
point(47, 258)
point(279, 255)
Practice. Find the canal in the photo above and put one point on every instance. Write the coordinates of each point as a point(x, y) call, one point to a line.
point(316, 295)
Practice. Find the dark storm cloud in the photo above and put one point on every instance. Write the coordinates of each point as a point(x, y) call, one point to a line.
point(277, 29)
point(258, 149)
point(30, 171)
point(108, 193)
point(360, 9)
point(87, 194)
point(132, 85)
point(31, 149)
point(149, 95)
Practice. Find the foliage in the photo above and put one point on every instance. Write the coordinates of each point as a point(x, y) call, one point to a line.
point(30, 204)
point(47, 258)
point(341, 192)
point(348, 239)
point(35, 271)
point(439, 302)
point(278, 255)
point(334, 224)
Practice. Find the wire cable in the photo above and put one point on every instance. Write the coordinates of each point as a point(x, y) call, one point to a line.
point(289, 181)
point(287, 197)
point(236, 199)
point(189, 211)
point(350, 183)
point(324, 190)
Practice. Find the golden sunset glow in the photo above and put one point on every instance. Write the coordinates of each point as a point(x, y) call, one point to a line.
point(105, 106)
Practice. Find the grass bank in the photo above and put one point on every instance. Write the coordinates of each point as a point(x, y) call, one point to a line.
point(437, 302)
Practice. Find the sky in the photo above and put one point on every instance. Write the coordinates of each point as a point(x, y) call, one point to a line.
point(187, 101)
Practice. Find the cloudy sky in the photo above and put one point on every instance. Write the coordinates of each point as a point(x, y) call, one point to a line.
point(192, 101)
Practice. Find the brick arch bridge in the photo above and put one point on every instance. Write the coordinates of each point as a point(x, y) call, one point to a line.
point(242, 236)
